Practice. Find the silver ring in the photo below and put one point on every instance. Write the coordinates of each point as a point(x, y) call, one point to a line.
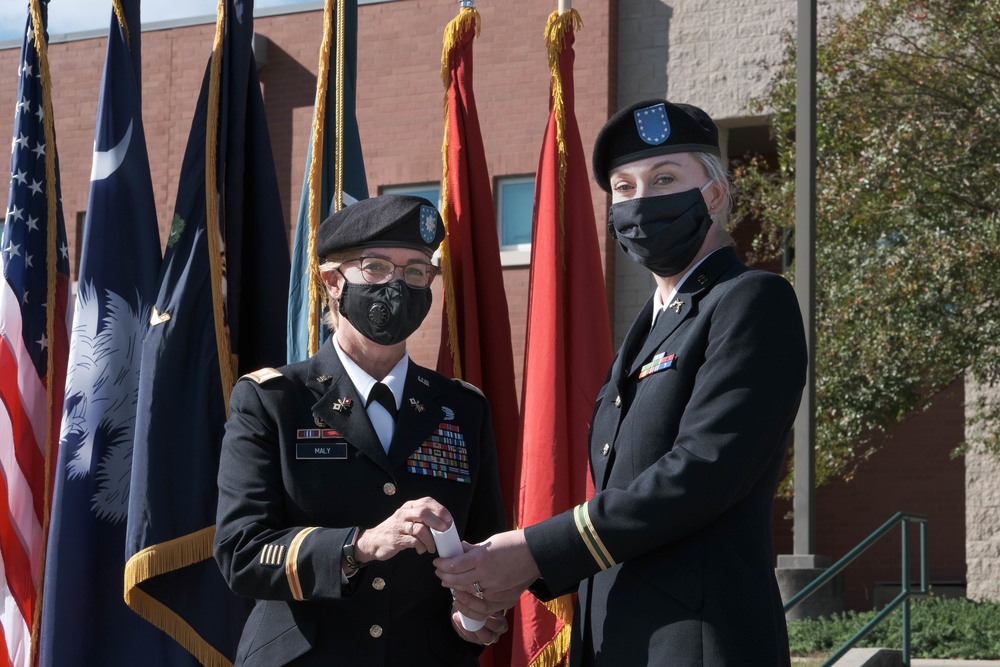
point(409, 527)
point(480, 593)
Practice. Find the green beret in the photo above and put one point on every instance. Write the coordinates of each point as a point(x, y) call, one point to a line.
point(651, 127)
point(386, 221)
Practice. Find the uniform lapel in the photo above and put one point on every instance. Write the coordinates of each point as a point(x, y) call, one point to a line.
point(340, 407)
point(683, 304)
point(419, 414)
point(634, 340)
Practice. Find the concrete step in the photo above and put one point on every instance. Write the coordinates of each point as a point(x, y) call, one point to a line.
point(882, 657)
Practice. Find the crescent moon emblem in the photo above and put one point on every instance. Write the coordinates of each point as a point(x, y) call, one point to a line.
point(107, 162)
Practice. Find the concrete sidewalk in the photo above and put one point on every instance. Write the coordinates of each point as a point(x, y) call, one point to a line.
point(953, 663)
point(880, 657)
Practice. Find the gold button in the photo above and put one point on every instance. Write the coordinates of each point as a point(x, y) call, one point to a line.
point(375, 631)
point(605, 449)
point(389, 489)
point(618, 401)
point(378, 583)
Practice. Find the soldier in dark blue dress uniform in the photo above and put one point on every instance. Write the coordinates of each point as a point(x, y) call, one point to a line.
point(672, 557)
point(335, 469)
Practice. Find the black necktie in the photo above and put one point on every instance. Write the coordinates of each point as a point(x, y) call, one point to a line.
point(383, 395)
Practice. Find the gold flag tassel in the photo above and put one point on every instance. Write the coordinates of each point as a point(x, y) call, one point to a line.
point(467, 18)
point(212, 227)
point(189, 549)
point(316, 289)
point(555, 42)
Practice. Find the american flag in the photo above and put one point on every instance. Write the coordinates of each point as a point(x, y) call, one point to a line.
point(33, 345)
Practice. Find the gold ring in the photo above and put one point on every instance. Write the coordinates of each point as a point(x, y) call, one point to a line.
point(480, 593)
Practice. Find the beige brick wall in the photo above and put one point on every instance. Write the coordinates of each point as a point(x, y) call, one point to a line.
point(982, 517)
point(710, 53)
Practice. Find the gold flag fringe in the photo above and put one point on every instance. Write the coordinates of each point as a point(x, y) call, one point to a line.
point(120, 13)
point(555, 42)
point(160, 559)
point(51, 229)
point(315, 290)
point(212, 229)
point(555, 651)
point(468, 18)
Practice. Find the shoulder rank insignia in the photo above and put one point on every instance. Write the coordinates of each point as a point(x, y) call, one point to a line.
point(470, 387)
point(263, 375)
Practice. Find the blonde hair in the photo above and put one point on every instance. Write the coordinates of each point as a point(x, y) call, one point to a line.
point(332, 262)
point(712, 165)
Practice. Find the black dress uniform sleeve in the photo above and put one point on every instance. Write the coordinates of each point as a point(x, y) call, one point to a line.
point(259, 557)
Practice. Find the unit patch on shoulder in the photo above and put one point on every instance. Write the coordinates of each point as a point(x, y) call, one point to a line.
point(470, 387)
point(263, 375)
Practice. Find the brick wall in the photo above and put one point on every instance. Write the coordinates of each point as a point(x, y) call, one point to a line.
point(913, 472)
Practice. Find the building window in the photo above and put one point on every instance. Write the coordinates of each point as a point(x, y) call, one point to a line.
point(515, 201)
point(429, 191)
point(515, 207)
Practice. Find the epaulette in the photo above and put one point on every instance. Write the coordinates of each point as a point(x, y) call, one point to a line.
point(470, 387)
point(263, 375)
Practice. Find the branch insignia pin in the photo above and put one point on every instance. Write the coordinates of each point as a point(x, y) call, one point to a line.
point(343, 405)
point(417, 405)
point(676, 305)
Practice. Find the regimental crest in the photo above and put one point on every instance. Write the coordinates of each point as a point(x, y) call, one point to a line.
point(428, 223)
point(652, 125)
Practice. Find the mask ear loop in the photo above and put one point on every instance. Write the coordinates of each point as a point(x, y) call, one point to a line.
point(702, 190)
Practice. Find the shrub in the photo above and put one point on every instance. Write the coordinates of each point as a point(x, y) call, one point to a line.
point(939, 628)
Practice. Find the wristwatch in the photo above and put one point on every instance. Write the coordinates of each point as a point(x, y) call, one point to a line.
point(349, 544)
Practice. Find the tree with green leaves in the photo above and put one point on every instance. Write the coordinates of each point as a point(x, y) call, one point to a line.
point(908, 214)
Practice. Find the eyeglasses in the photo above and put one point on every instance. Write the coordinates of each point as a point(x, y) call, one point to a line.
point(377, 271)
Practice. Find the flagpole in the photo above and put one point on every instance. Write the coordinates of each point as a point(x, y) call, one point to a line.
point(565, 6)
point(51, 230)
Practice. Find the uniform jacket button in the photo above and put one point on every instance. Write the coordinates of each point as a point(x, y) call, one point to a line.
point(605, 449)
point(618, 401)
point(378, 583)
point(389, 489)
point(375, 631)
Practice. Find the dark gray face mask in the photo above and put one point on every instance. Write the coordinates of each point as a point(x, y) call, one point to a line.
point(385, 314)
point(662, 233)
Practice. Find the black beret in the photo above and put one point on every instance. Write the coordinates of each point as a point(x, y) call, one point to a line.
point(651, 127)
point(386, 221)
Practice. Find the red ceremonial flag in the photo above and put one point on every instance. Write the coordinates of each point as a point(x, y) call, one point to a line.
point(475, 332)
point(567, 347)
point(34, 345)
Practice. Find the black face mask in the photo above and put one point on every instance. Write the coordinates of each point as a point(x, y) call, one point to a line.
point(386, 314)
point(662, 233)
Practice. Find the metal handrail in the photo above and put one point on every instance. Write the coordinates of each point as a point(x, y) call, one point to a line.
point(903, 518)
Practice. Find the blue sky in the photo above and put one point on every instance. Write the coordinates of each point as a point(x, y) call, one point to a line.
point(68, 16)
